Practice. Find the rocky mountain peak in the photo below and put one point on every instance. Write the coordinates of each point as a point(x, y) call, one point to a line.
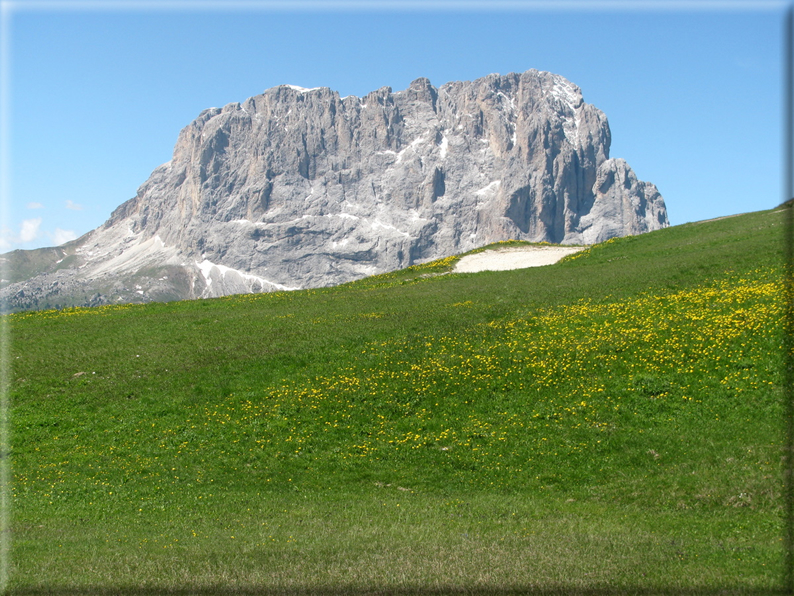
point(299, 188)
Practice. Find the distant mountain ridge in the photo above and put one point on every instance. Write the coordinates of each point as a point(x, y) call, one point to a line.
point(299, 188)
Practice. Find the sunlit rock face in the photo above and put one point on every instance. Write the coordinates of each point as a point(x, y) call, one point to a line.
point(301, 188)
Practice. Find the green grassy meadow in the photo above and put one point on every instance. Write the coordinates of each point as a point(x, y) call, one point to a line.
point(611, 424)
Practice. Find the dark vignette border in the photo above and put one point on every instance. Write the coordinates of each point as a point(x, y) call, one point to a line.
point(787, 584)
point(788, 342)
point(558, 590)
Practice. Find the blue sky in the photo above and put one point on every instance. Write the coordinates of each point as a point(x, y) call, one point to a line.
point(95, 93)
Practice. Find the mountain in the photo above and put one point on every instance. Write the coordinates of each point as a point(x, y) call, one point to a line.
point(300, 188)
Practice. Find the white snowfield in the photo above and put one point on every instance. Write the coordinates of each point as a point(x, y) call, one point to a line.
point(519, 257)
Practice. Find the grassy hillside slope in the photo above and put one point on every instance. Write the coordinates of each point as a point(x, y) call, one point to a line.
point(610, 424)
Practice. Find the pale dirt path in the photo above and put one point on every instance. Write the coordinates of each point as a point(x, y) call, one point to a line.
point(519, 257)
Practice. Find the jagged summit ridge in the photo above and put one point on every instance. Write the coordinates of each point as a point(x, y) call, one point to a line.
point(298, 188)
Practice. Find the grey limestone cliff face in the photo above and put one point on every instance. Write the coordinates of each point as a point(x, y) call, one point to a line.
point(300, 188)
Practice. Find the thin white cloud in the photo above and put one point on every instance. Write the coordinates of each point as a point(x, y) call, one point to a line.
point(35, 206)
point(7, 238)
point(62, 236)
point(74, 206)
point(29, 230)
